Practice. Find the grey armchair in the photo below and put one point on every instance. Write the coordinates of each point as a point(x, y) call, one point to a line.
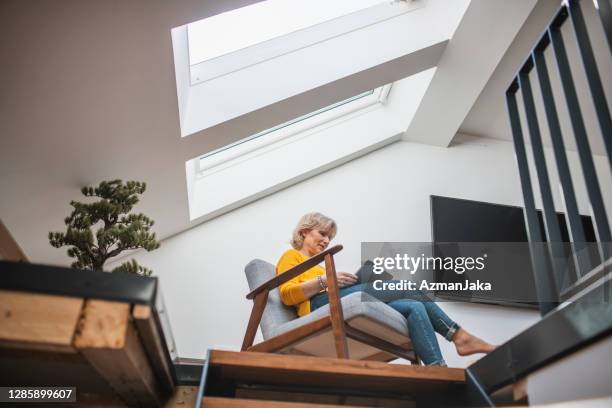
point(357, 326)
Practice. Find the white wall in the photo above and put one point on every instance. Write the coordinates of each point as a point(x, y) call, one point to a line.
point(383, 196)
point(593, 381)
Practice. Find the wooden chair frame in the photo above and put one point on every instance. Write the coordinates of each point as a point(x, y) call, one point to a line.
point(341, 330)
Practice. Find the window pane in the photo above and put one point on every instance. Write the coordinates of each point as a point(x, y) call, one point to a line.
point(285, 124)
point(246, 26)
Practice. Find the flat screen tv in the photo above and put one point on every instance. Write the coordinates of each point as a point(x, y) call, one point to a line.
point(458, 220)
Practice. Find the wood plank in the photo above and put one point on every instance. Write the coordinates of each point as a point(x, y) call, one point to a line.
point(103, 324)
point(293, 336)
point(109, 342)
point(335, 366)
point(46, 347)
point(184, 397)
point(311, 397)
point(154, 346)
point(252, 367)
point(45, 368)
point(127, 370)
point(99, 401)
point(142, 312)
point(335, 309)
point(215, 402)
point(9, 249)
point(39, 321)
point(380, 344)
point(259, 305)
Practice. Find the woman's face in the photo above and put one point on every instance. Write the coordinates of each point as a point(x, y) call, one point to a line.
point(315, 241)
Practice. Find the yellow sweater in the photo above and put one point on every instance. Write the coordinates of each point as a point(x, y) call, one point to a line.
point(291, 292)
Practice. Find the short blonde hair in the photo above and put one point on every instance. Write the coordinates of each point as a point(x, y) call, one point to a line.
point(312, 221)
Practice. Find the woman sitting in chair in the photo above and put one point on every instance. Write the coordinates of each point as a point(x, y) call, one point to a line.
point(308, 292)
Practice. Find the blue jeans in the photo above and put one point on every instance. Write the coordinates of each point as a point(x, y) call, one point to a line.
point(424, 317)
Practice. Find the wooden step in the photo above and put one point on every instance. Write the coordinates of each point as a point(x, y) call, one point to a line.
point(227, 367)
point(217, 402)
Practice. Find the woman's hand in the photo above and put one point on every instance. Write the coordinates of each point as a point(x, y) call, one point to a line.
point(313, 287)
point(344, 279)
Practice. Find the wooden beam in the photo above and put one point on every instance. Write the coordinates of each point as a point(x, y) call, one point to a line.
point(332, 373)
point(314, 396)
point(108, 340)
point(184, 397)
point(9, 249)
point(336, 366)
point(335, 308)
point(293, 272)
point(103, 325)
point(293, 336)
point(217, 402)
point(154, 346)
point(38, 321)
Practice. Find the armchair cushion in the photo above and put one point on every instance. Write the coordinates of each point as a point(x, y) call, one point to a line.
point(359, 309)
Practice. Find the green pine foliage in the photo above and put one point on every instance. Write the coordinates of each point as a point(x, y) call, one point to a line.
point(115, 229)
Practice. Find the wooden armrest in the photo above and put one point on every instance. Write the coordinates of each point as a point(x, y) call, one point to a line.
point(293, 272)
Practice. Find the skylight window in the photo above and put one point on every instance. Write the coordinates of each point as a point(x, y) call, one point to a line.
point(244, 27)
point(292, 127)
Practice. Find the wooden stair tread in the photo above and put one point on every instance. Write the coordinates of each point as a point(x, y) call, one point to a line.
point(214, 402)
point(307, 364)
point(306, 371)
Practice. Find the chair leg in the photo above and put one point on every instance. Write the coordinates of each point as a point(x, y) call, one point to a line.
point(259, 304)
point(340, 340)
point(335, 309)
point(365, 338)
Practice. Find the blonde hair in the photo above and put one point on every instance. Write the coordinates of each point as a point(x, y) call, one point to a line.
point(312, 221)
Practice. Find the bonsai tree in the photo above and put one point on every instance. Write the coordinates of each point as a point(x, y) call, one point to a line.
point(117, 230)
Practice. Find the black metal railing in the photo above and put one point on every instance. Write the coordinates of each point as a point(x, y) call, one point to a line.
point(550, 262)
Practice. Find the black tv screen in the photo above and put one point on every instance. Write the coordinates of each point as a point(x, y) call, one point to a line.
point(466, 221)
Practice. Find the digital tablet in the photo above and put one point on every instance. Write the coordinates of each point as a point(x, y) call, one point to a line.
point(366, 273)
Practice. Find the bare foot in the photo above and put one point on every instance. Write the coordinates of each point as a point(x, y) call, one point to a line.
point(467, 344)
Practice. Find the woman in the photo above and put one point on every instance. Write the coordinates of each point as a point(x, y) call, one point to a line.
point(308, 292)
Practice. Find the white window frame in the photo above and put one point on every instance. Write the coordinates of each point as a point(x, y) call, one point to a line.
point(273, 48)
point(287, 132)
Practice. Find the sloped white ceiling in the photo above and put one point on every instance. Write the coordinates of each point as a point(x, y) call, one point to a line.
point(89, 94)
